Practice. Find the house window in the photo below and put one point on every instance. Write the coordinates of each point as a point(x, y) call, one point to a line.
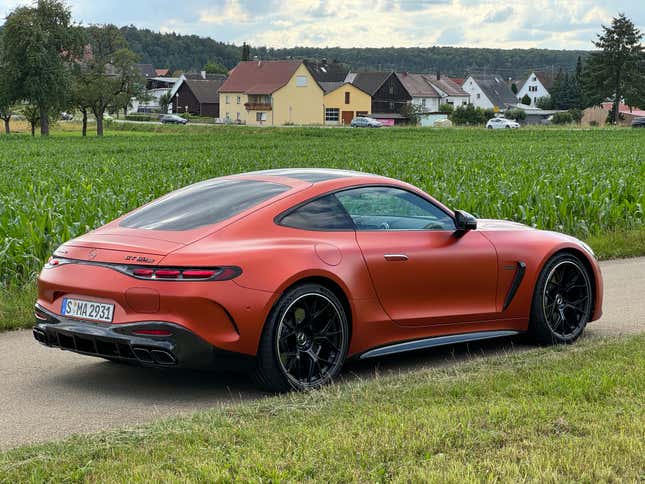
point(301, 81)
point(227, 99)
point(391, 89)
point(479, 95)
point(238, 116)
point(239, 99)
point(260, 116)
point(423, 102)
point(347, 98)
point(463, 103)
point(391, 105)
point(332, 114)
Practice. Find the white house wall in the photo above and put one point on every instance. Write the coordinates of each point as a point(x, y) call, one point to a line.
point(533, 83)
point(477, 96)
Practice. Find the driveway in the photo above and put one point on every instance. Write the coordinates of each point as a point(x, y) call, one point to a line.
point(49, 394)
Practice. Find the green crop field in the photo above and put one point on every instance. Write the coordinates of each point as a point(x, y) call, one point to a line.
point(588, 183)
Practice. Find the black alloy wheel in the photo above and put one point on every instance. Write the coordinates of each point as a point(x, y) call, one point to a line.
point(562, 303)
point(305, 341)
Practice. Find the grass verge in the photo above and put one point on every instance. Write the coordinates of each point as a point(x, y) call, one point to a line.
point(557, 414)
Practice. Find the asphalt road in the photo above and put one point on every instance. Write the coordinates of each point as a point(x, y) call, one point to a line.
point(46, 394)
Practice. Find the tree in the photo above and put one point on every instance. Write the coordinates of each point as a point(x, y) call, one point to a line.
point(616, 69)
point(7, 102)
point(545, 102)
point(32, 114)
point(215, 68)
point(514, 88)
point(164, 101)
point(412, 112)
point(246, 51)
point(109, 79)
point(39, 43)
point(526, 99)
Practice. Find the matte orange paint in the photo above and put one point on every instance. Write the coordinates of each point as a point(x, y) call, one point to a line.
point(448, 285)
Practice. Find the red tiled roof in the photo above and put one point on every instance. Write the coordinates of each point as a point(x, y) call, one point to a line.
point(162, 72)
point(260, 77)
point(624, 109)
point(458, 80)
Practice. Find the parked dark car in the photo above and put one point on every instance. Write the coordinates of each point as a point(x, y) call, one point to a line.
point(172, 119)
point(638, 123)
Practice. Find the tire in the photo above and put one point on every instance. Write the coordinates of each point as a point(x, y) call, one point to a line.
point(305, 340)
point(562, 301)
point(489, 127)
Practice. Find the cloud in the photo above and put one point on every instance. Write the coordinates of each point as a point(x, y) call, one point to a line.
point(499, 15)
point(569, 24)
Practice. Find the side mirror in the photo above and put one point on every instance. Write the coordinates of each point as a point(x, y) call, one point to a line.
point(464, 222)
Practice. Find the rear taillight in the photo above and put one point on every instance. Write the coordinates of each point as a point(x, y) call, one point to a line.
point(152, 332)
point(184, 274)
point(55, 262)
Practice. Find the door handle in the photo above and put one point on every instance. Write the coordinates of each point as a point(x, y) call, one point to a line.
point(395, 257)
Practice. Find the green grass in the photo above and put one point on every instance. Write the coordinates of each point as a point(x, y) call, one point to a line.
point(587, 183)
point(546, 415)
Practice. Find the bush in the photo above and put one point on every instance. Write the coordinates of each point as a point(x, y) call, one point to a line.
point(526, 99)
point(446, 108)
point(470, 115)
point(576, 114)
point(516, 114)
point(545, 103)
point(562, 118)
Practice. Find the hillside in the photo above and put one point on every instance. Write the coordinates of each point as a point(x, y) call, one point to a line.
point(190, 52)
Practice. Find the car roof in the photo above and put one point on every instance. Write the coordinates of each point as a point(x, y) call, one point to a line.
point(310, 175)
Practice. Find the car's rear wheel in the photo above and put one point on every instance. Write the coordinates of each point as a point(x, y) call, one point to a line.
point(562, 301)
point(305, 340)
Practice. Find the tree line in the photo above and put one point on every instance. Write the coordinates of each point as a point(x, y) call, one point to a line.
point(50, 64)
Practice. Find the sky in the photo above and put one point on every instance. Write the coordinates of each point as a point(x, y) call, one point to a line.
point(553, 24)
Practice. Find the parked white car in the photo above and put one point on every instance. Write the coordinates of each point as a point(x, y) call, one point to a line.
point(498, 123)
point(365, 122)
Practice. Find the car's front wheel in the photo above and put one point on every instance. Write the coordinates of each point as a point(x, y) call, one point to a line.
point(562, 301)
point(305, 340)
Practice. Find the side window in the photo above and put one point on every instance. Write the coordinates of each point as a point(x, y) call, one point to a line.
point(389, 208)
point(324, 213)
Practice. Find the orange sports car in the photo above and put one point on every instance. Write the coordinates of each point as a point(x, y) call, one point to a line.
point(292, 271)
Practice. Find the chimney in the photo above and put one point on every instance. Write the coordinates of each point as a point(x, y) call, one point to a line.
point(259, 64)
point(438, 75)
point(324, 61)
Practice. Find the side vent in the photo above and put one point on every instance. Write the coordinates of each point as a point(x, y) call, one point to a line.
point(520, 269)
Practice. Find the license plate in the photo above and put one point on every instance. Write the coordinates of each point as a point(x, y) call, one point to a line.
point(90, 310)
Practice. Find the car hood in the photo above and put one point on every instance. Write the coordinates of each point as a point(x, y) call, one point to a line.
point(492, 224)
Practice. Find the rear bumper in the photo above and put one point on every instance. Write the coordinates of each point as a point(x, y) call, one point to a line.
point(181, 349)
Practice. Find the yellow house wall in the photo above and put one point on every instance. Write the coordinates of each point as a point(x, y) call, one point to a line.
point(358, 100)
point(232, 108)
point(298, 105)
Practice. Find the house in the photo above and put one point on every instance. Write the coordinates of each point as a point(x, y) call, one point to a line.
point(489, 92)
point(429, 92)
point(272, 93)
point(146, 70)
point(196, 96)
point(450, 92)
point(626, 113)
point(425, 97)
point(537, 85)
point(387, 92)
point(343, 102)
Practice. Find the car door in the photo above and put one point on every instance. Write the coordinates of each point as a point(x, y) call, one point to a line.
point(422, 271)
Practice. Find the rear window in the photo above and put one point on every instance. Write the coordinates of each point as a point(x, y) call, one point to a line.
point(204, 203)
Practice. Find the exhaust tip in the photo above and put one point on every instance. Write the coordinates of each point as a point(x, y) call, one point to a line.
point(143, 355)
point(163, 357)
point(40, 336)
